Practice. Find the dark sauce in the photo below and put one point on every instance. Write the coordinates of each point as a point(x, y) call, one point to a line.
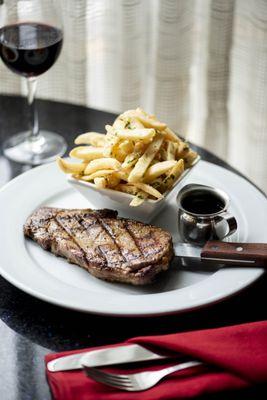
point(29, 48)
point(202, 203)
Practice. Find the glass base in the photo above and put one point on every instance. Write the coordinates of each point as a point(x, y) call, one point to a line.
point(23, 149)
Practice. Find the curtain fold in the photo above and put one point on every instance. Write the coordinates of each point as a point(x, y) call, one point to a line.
point(172, 62)
point(200, 65)
point(247, 144)
point(218, 74)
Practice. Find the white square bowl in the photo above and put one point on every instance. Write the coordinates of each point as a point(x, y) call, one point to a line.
point(113, 199)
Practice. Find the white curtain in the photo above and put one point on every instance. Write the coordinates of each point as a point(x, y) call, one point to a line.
point(200, 65)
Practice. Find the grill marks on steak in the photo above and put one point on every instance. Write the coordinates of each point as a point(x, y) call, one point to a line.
point(110, 248)
point(125, 243)
point(73, 225)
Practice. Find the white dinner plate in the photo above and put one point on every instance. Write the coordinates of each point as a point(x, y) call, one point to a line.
point(53, 279)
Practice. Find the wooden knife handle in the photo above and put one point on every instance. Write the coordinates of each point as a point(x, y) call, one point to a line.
point(238, 254)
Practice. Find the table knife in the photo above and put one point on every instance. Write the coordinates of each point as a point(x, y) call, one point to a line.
point(225, 253)
point(110, 356)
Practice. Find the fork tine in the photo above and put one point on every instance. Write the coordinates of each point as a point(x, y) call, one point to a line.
point(104, 381)
point(104, 378)
point(108, 380)
point(110, 383)
point(109, 375)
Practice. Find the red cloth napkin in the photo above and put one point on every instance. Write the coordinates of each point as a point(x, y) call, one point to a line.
point(237, 356)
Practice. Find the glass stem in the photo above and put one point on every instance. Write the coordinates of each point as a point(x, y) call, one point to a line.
point(34, 123)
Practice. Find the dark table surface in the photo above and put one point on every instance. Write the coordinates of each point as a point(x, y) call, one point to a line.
point(30, 328)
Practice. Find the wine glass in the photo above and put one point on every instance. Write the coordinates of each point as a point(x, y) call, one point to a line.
point(31, 39)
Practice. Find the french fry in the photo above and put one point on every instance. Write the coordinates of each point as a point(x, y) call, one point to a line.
point(148, 122)
point(173, 175)
point(190, 158)
point(100, 183)
point(145, 119)
point(135, 124)
point(139, 199)
point(162, 154)
point(118, 153)
point(171, 150)
point(121, 150)
point(97, 174)
point(149, 190)
point(170, 135)
point(140, 147)
point(87, 153)
point(110, 130)
point(126, 188)
point(125, 122)
point(111, 141)
point(183, 149)
point(70, 168)
point(127, 115)
point(112, 180)
point(131, 160)
point(127, 146)
point(93, 138)
point(143, 112)
point(101, 163)
point(158, 169)
point(119, 123)
point(77, 176)
point(123, 175)
point(144, 161)
point(157, 183)
point(144, 135)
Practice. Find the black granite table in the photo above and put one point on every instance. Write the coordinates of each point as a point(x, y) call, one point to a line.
point(30, 328)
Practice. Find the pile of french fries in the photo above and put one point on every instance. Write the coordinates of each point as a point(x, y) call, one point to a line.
point(138, 155)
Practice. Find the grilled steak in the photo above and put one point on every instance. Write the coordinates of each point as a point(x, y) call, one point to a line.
point(110, 248)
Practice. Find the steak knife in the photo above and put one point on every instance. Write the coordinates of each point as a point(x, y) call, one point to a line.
point(225, 253)
point(110, 356)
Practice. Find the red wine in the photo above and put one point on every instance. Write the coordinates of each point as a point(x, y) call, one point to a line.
point(202, 203)
point(29, 48)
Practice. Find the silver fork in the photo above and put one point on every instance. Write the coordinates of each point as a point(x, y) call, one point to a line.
point(136, 382)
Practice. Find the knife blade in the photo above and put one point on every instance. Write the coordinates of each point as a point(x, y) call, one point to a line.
point(226, 253)
point(110, 356)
